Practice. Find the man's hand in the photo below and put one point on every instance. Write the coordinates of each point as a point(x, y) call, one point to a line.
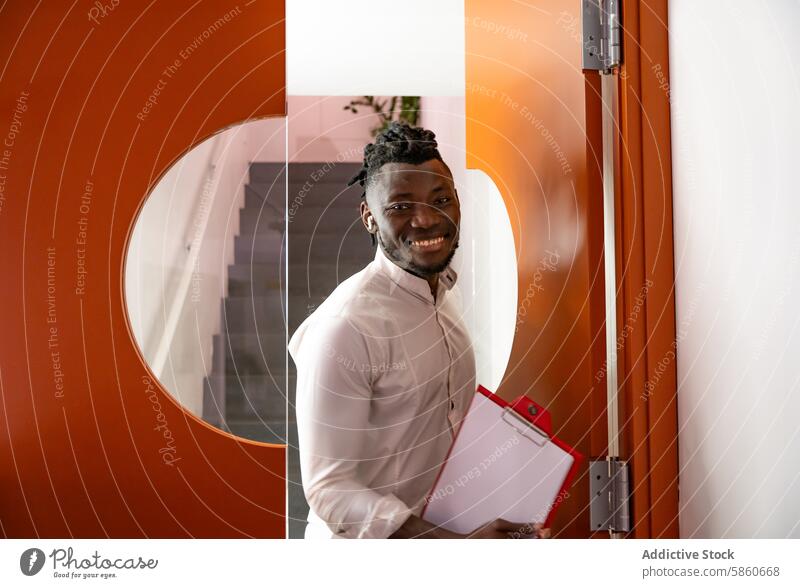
point(502, 529)
point(542, 533)
point(416, 528)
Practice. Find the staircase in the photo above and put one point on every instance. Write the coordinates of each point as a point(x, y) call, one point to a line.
point(246, 392)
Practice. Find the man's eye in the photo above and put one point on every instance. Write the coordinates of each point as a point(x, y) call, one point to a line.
point(445, 199)
point(398, 207)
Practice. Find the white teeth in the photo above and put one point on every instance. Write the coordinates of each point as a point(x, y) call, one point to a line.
point(428, 242)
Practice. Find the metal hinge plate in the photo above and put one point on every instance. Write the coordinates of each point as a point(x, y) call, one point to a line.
point(602, 34)
point(610, 496)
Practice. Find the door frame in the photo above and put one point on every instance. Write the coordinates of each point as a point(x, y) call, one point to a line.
point(644, 259)
point(646, 273)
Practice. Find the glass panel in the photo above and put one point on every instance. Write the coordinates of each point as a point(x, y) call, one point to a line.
point(328, 242)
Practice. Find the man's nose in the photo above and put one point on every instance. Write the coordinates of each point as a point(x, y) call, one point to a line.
point(425, 216)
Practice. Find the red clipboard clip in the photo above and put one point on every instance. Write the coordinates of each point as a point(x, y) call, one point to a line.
point(529, 410)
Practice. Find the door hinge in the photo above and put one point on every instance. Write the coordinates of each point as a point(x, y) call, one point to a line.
point(610, 493)
point(602, 35)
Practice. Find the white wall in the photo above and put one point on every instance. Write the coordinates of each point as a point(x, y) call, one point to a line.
point(375, 47)
point(735, 93)
point(320, 129)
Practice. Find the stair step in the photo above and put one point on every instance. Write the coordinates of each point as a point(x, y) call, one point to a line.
point(321, 196)
point(355, 247)
point(300, 293)
point(306, 294)
point(259, 278)
point(263, 221)
point(250, 396)
point(311, 218)
point(264, 431)
point(305, 218)
point(258, 196)
point(254, 353)
point(250, 314)
point(314, 171)
point(245, 314)
point(266, 172)
point(268, 247)
point(323, 193)
point(318, 171)
point(255, 279)
point(303, 276)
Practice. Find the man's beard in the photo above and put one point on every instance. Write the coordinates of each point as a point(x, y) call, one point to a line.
point(418, 270)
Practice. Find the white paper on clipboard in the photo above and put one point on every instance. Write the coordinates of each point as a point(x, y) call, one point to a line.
point(499, 467)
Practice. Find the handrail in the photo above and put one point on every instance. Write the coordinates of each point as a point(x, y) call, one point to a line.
point(192, 239)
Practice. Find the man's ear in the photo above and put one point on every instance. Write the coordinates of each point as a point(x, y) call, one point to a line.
point(367, 218)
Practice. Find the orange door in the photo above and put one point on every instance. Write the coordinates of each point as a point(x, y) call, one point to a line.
point(95, 107)
point(534, 126)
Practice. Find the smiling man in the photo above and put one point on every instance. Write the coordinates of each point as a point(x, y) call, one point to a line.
point(385, 366)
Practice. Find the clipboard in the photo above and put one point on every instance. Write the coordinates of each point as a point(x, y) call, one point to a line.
point(504, 463)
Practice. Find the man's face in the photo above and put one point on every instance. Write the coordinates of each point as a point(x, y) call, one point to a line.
point(417, 214)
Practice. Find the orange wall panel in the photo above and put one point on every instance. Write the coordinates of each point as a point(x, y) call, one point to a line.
point(86, 433)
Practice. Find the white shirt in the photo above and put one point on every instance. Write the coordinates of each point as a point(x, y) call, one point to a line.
point(384, 377)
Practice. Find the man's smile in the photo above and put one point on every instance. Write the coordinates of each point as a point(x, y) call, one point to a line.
point(430, 244)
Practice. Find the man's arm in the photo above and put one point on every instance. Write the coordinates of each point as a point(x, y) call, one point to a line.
point(333, 407)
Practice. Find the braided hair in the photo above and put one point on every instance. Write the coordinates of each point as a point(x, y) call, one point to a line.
point(398, 143)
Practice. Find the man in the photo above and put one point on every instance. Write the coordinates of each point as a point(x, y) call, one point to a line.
point(385, 365)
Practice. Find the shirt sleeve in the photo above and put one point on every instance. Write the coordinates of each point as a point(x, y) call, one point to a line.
point(334, 391)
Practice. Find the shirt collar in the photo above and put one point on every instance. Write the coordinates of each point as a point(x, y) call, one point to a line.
point(414, 284)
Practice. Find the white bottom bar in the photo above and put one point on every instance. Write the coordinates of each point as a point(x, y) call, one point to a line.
point(734, 562)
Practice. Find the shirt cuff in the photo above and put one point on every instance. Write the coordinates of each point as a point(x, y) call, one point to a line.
point(386, 515)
